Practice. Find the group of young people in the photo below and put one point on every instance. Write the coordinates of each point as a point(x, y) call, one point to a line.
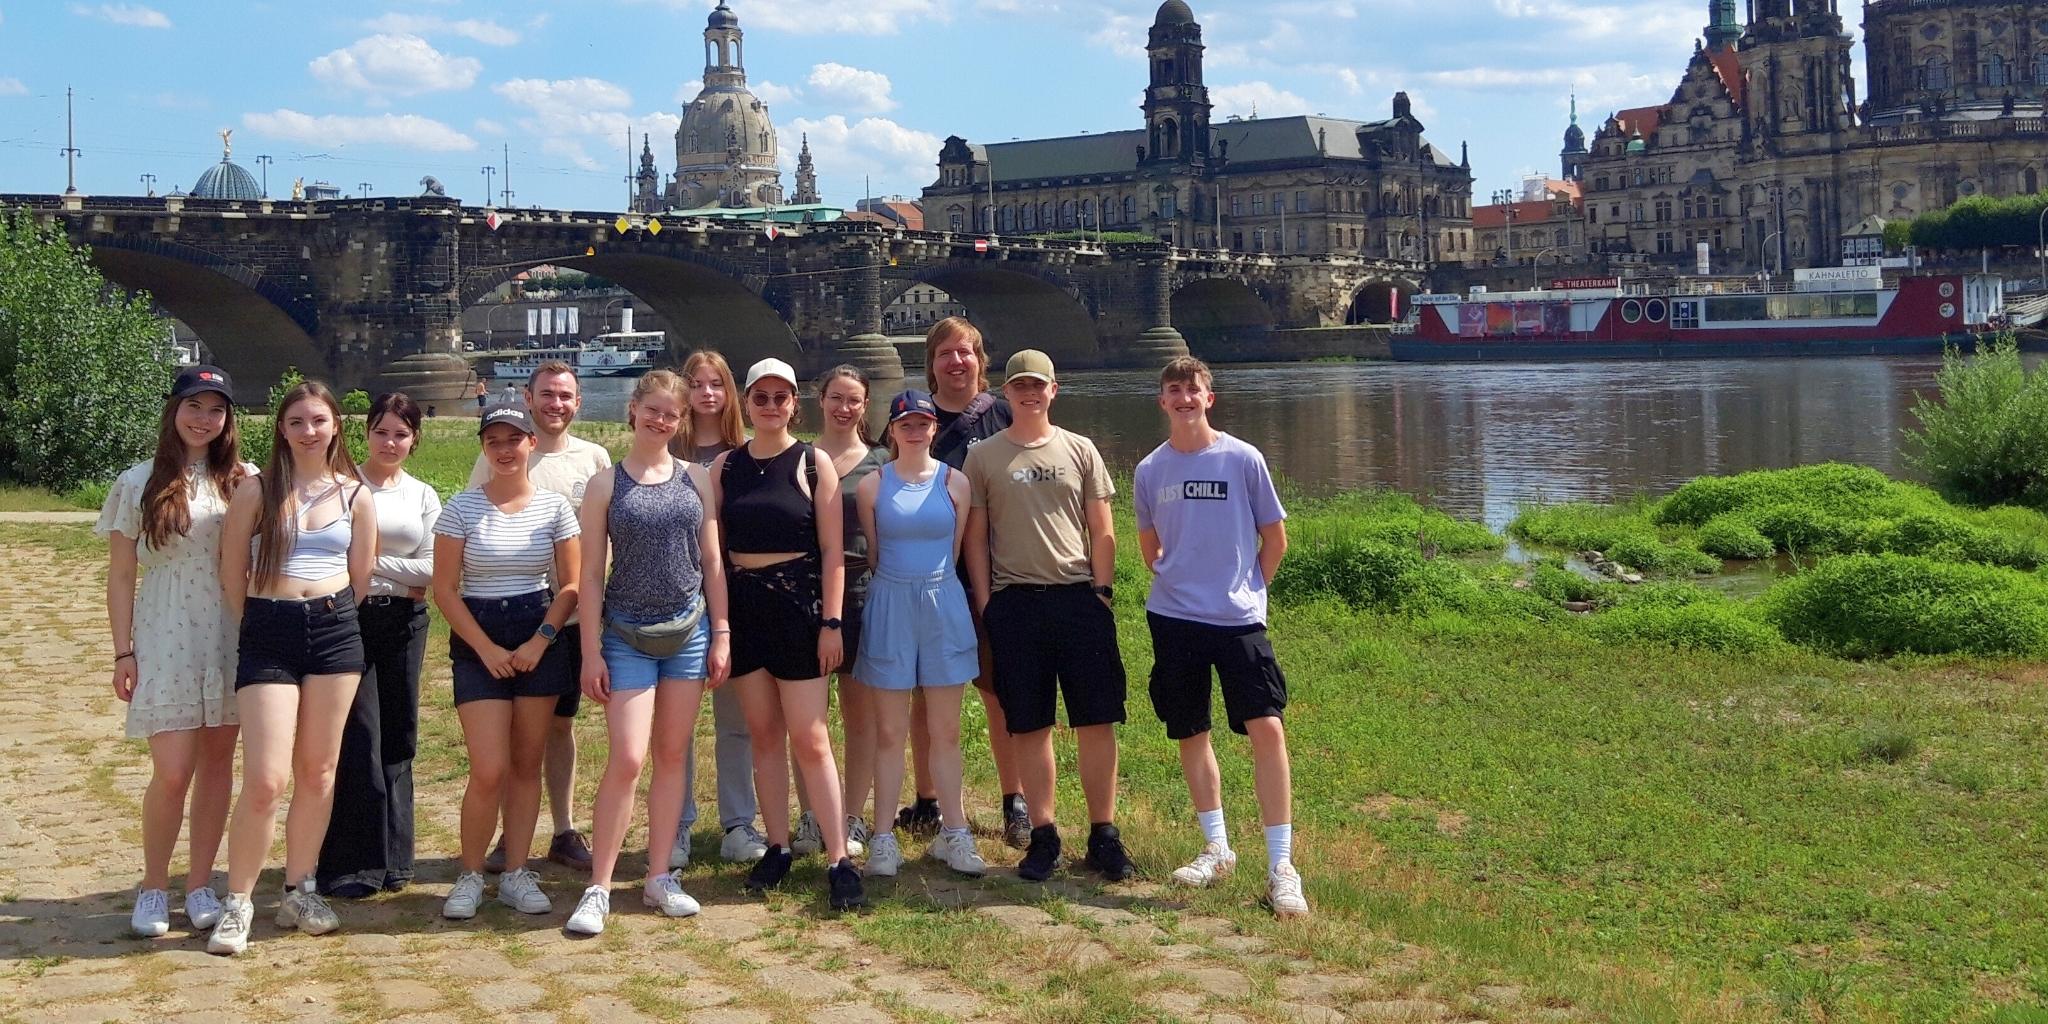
point(973, 545)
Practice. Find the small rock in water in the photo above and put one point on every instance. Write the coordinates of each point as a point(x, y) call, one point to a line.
point(1592, 557)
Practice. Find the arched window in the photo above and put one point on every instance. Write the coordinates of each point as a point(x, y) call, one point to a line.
point(1934, 73)
point(1169, 138)
point(1130, 210)
point(1088, 217)
point(2032, 181)
point(1564, 238)
point(1066, 213)
point(2041, 69)
point(1997, 71)
point(1045, 215)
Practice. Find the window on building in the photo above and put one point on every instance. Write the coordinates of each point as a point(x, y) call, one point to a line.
point(1663, 211)
point(1259, 205)
point(1600, 184)
point(2041, 69)
point(1717, 206)
point(1614, 212)
point(1237, 206)
point(1592, 215)
point(1130, 209)
point(1996, 71)
point(2031, 180)
point(954, 219)
point(1259, 240)
point(1637, 213)
point(1279, 202)
point(1300, 202)
point(1719, 242)
point(1300, 239)
point(1564, 238)
point(1934, 73)
point(1237, 240)
point(1665, 243)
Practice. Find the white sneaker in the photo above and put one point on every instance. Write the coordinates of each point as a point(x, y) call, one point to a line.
point(152, 915)
point(857, 836)
point(202, 907)
point(1283, 891)
point(1215, 861)
point(679, 855)
point(520, 890)
point(231, 933)
point(956, 850)
point(885, 858)
point(305, 909)
point(666, 894)
point(591, 911)
point(808, 840)
point(465, 898)
point(743, 844)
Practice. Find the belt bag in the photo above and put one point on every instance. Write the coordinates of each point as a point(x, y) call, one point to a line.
point(660, 639)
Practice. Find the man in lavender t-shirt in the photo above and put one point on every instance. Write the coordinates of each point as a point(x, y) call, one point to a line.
point(1211, 527)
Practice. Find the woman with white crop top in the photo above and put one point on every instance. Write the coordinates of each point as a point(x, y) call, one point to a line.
point(309, 527)
point(494, 546)
point(369, 846)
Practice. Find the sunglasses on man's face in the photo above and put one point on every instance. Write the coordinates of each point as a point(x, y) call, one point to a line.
point(769, 399)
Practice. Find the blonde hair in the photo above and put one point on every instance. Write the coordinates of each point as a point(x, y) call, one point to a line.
point(664, 381)
point(732, 431)
point(946, 330)
point(1186, 370)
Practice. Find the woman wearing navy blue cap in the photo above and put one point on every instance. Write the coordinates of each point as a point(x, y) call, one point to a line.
point(918, 632)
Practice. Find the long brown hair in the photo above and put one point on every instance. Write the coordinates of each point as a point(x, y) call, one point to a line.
point(275, 523)
point(732, 430)
point(944, 331)
point(166, 501)
point(854, 374)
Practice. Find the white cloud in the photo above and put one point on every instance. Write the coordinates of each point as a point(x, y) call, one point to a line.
point(481, 30)
point(1350, 80)
point(575, 114)
point(773, 93)
point(821, 17)
point(486, 126)
point(407, 131)
point(897, 158)
point(864, 92)
point(688, 91)
point(131, 15)
point(1264, 98)
point(12, 87)
point(394, 65)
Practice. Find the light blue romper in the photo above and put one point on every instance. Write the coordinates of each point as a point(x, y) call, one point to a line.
point(916, 630)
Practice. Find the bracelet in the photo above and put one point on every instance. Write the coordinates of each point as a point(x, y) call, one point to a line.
point(124, 654)
point(715, 632)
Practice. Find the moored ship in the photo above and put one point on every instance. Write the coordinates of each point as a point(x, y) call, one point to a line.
point(1824, 312)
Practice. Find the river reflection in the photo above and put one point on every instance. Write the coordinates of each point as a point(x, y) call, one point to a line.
point(1482, 440)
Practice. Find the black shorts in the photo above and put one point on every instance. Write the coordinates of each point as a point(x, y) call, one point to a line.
point(1049, 642)
point(510, 622)
point(774, 615)
point(1184, 652)
point(849, 630)
point(286, 641)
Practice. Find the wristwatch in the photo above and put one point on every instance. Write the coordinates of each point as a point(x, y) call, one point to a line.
point(548, 632)
point(831, 624)
point(1105, 593)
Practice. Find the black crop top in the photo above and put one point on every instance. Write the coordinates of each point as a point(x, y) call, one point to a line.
point(764, 512)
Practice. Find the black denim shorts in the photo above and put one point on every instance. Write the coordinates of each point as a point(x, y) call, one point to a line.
point(286, 641)
point(510, 622)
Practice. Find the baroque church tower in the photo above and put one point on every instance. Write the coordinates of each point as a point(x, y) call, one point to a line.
point(1572, 159)
point(726, 146)
point(1796, 68)
point(806, 177)
point(1176, 102)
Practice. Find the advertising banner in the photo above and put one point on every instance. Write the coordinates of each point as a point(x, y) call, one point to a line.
point(1472, 320)
point(1557, 319)
point(532, 323)
point(571, 311)
point(1500, 318)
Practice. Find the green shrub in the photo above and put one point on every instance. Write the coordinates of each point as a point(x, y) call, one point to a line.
point(1376, 577)
point(1804, 530)
point(1986, 440)
point(1729, 536)
point(1835, 488)
point(1701, 626)
point(356, 403)
point(83, 369)
point(1581, 526)
point(1652, 555)
point(1557, 584)
point(1385, 517)
point(1875, 605)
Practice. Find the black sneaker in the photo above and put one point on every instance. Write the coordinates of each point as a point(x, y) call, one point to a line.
point(920, 818)
point(844, 881)
point(1042, 856)
point(1016, 821)
point(769, 871)
point(1106, 854)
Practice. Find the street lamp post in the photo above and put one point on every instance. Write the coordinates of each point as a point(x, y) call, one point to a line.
point(489, 172)
point(1780, 254)
point(148, 184)
point(1536, 262)
point(364, 187)
point(264, 161)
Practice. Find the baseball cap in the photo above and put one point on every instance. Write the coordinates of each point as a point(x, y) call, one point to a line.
point(770, 367)
point(509, 415)
point(195, 379)
point(1029, 363)
point(913, 403)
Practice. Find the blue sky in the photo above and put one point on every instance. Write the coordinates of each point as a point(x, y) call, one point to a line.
point(354, 93)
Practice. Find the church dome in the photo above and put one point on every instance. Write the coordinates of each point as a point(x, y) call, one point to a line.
point(1575, 137)
point(1174, 12)
point(227, 180)
point(723, 17)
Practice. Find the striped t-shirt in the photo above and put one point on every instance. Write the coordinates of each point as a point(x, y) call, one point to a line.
point(507, 555)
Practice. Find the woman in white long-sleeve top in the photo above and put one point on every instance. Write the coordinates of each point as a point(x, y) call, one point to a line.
point(369, 846)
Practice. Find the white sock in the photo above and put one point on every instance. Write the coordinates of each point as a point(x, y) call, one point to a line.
point(1279, 844)
point(1212, 827)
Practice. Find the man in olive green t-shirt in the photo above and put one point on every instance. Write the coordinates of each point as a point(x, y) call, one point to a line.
point(1040, 553)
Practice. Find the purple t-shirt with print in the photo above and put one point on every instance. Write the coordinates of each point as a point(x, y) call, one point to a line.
point(1207, 507)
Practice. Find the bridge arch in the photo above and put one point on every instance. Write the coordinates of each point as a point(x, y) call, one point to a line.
point(1221, 315)
point(254, 326)
point(1380, 301)
point(1014, 309)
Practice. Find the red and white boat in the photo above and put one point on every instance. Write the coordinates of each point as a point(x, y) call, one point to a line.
point(1830, 311)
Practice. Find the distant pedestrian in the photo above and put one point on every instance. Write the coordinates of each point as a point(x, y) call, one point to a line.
point(483, 395)
point(1041, 552)
point(174, 641)
point(1211, 528)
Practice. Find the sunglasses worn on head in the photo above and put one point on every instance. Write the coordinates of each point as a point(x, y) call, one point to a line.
point(765, 399)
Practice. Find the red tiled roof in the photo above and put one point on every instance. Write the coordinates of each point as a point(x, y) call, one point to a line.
point(1525, 213)
point(1729, 66)
point(1640, 119)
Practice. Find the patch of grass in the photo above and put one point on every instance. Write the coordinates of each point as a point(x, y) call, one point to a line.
point(1875, 605)
point(1623, 533)
point(1702, 626)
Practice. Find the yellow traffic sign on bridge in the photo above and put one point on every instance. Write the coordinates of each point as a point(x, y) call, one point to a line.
point(623, 224)
point(654, 225)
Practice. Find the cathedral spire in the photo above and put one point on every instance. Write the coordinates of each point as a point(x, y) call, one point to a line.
point(1723, 27)
point(806, 177)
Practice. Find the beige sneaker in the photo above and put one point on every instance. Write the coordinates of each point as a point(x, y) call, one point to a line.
point(305, 909)
point(1283, 891)
point(1215, 862)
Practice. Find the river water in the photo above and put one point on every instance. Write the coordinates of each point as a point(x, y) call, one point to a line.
point(1479, 441)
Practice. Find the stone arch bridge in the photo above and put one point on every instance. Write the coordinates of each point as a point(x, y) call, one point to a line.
point(370, 292)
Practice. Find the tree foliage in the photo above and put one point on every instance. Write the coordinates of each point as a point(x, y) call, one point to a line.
point(1986, 440)
point(83, 369)
point(1980, 222)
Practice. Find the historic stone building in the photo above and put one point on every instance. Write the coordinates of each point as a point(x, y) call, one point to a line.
point(726, 146)
point(1765, 154)
point(1279, 185)
point(1542, 228)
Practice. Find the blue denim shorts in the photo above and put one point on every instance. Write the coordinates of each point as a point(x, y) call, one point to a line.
point(632, 670)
